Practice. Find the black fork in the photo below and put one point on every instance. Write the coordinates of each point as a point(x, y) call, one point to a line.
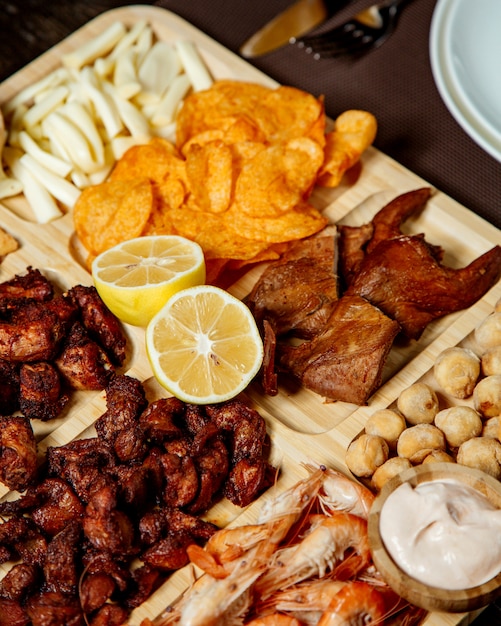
point(365, 30)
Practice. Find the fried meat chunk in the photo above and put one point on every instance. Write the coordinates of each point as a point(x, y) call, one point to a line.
point(247, 480)
point(40, 391)
point(82, 362)
point(52, 504)
point(346, 360)
point(119, 425)
point(404, 279)
point(54, 607)
point(84, 463)
point(9, 387)
point(37, 331)
point(18, 452)
point(19, 581)
point(107, 527)
point(60, 567)
point(100, 322)
point(31, 286)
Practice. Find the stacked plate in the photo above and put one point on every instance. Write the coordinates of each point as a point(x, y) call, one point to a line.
point(465, 50)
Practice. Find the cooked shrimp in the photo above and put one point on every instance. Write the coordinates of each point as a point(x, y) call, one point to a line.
point(356, 603)
point(276, 518)
point(220, 601)
point(312, 595)
point(340, 493)
point(220, 553)
point(275, 619)
point(293, 501)
point(322, 548)
point(305, 601)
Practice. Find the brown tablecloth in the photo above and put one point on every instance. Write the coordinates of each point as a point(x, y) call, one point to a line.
point(394, 81)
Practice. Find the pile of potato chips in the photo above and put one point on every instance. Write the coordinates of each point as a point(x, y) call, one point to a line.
point(238, 179)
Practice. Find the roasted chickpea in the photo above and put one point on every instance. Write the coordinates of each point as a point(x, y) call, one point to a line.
point(365, 454)
point(459, 423)
point(390, 468)
point(491, 428)
point(438, 456)
point(487, 396)
point(416, 442)
point(482, 453)
point(418, 404)
point(488, 333)
point(491, 361)
point(456, 371)
point(387, 424)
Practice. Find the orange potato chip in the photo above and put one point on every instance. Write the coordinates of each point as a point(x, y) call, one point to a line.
point(209, 170)
point(278, 178)
point(111, 212)
point(153, 160)
point(301, 221)
point(280, 113)
point(354, 131)
point(238, 179)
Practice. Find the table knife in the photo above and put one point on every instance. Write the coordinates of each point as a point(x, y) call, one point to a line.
point(296, 20)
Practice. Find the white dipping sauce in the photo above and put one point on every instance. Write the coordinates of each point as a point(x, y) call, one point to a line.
point(442, 533)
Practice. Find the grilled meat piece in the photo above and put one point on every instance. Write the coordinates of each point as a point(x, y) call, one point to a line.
point(247, 480)
point(25, 539)
point(54, 607)
point(19, 581)
point(357, 241)
point(119, 425)
point(145, 580)
point(40, 391)
point(125, 401)
point(213, 465)
point(84, 464)
point(110, 615)
point(36, 331)
point(82, 362)
point(268, 372)
point(100, 322)
point(106, 527)
point(404, 279)
point(245, 426)
point(60, 566)
point(95, 590)
point(18, 453)
point(169, 553)
point(9, 387)
point(345, 361)
point(180, 479)
point(12, 613)
point(52, 504)
point(161, 419)
point(31, 286)
point(296, 294)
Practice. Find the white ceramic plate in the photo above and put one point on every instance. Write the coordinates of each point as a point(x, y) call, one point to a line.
point(465, 51)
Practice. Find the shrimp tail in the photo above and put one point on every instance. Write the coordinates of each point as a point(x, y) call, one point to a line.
point(206, 561)
point(356, 603)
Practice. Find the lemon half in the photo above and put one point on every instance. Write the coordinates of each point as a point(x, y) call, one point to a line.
point(204, 345)
point(137, 277)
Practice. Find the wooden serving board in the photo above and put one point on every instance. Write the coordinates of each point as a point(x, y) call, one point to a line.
point(302, 426)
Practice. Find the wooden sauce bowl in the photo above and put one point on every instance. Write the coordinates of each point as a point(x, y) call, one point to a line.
point(412, 590)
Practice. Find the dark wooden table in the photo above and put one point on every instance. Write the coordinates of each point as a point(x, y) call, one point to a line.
point(394, 82)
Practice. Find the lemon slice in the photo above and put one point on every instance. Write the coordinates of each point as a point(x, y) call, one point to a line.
point(136, 277)
point(204, 346)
